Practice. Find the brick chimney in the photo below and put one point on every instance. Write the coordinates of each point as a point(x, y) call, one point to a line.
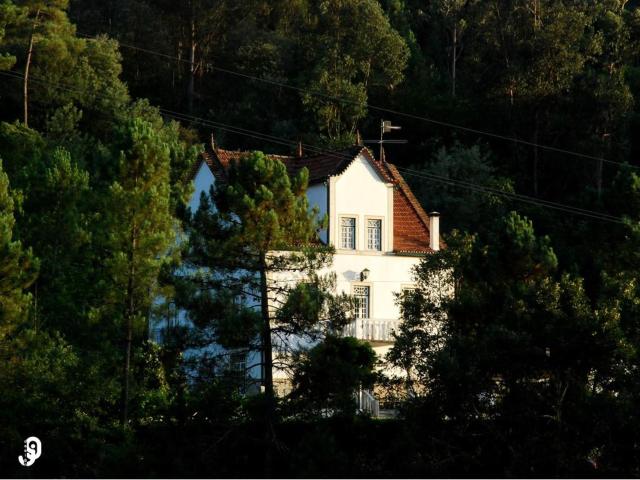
point(434, 231)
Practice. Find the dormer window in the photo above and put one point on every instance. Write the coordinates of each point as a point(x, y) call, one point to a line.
point(374, 234)
point(348, 233)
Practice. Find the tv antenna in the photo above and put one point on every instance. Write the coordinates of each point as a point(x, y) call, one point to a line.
point(386, 127)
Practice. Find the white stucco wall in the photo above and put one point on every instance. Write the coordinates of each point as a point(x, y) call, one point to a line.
point(388, 274)
point(317, 197)
point(202, 182)
point(359, 192)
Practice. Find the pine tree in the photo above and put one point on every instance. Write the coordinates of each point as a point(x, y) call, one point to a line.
point(516, 353)
point(138, 232)
point(18, 267)
point(256, 237)
point(352, 50)
point(55, 69)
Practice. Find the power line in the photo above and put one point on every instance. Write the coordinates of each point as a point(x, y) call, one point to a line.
point(424, 175)
point(375, 107)
point(407, 171)
point(519, 198)
point(516, 196)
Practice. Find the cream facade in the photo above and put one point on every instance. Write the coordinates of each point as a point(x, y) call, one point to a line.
point(378, 229)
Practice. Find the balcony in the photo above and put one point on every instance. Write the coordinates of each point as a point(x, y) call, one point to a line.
point(372, 329)
point(367, 403)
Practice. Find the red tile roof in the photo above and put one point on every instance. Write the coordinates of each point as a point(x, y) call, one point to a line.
point(410, 221)
point(328, 164)
point(219, 160)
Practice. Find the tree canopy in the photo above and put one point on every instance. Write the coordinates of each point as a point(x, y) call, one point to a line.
point(519, 346)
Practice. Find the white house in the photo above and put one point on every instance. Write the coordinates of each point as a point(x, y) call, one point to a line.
point(378, 228)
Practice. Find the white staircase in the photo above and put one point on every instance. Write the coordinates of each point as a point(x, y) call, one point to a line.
point(367, 403)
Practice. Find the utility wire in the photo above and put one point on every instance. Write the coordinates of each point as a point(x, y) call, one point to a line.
point(407, 171)
point(519, 198)
point(375, 107)
point(423, 175)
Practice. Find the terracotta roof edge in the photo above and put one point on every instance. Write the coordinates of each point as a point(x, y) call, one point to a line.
point(406, 190)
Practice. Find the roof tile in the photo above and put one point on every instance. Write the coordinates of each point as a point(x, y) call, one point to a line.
point(410, 221)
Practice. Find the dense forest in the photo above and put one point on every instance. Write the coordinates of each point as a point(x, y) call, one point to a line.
point(519, 117)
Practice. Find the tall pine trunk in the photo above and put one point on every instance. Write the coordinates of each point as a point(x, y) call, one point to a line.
point(454, 60)
point(25, 85)
point(536, 129)
point(192, 64)
point(130, 312)
point(267, 366)
point(600, 162)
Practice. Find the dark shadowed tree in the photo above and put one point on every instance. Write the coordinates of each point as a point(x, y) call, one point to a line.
point(515, 343)
point(255, 241)
point(18, 267)
point(328, 376)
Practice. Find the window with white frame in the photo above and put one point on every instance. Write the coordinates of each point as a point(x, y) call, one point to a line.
point(362, 296)
point(374, 234)
point(238, 362)
point(348, 233)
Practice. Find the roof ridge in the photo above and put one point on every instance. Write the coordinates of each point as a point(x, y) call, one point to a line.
point(218, 159)
point(275, 155)
point(411, 225)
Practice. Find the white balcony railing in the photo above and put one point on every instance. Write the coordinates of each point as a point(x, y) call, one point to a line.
point(367, 403)
point(372, 329)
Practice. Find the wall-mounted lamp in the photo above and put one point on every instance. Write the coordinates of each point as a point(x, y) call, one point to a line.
point(364, 274)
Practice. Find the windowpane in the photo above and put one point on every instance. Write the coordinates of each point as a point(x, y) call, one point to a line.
point(348, 233)
point(238, 362)
point(361, 293)
point(374, 234)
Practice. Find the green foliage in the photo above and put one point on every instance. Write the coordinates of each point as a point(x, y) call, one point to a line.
point(464, 208)
point(8, 13)
point(327, 377)
point(246, 240)
point(46, 391)
point(520, 358)
point(348, 65)
point(141, 227)
point(18, 267)
point(344, 49)
point(65, 70)
point(22, 147)
point(58, 225)
point(139, 230)
point(272, 211)
point(513, 343)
